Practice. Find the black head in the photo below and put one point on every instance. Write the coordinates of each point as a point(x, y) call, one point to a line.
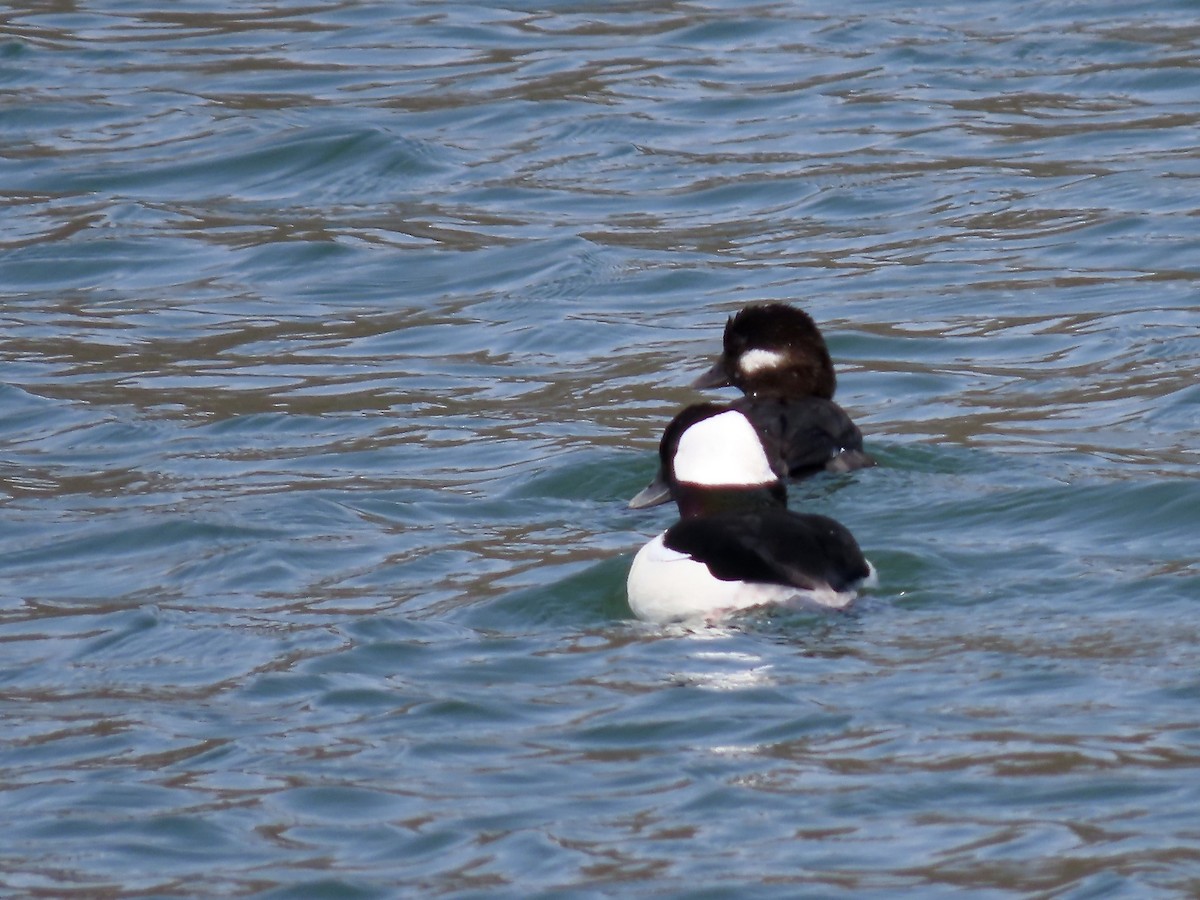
point(662, 487)
point(720, 467)
point(773, 349)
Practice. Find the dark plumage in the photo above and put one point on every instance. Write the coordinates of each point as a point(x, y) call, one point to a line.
point(805, 370)
point(775, 354)
point(806, 434)
point(736, 545)
point(773, 546)
point(800, 437)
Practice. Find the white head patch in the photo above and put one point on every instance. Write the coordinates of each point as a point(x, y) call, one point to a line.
point(756, 360)
point(722, 450)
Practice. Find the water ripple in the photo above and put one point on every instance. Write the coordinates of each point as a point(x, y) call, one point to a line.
point(336, 336)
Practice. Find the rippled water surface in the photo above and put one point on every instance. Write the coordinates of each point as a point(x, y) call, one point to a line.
point(335, 336)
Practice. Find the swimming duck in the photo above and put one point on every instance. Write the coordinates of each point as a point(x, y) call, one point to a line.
point(777, 357)
point(736, 545)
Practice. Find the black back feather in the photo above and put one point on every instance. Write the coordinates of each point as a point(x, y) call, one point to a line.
point(772, 546)
point(804, 434)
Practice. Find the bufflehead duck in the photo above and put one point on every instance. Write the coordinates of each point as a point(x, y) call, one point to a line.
point(777, 357)
point(799, 437)
point(737, 545)
point(772, 349)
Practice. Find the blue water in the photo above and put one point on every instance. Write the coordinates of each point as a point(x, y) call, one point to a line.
point(335, 337)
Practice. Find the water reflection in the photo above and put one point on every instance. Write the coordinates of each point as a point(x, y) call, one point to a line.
point(334, 337)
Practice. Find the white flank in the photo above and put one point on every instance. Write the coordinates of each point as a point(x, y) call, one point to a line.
point(667, 586)
point(756, 360)
point(722, 450)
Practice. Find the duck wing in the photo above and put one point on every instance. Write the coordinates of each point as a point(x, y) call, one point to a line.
point(773, 547)
point(806, 435)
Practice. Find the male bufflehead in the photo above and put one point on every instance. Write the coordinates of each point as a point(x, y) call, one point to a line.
point(737, 545)
point(777, 357)
point(800, 437)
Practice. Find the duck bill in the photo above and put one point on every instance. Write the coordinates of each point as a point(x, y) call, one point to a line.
point(653, 494)
point(714, 377)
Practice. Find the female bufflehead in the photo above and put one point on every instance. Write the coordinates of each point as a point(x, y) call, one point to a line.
point(777, 357)
point(772, 349)
point(736, 545)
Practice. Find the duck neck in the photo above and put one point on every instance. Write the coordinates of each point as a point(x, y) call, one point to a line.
point(697, 500)
point(794, 381)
